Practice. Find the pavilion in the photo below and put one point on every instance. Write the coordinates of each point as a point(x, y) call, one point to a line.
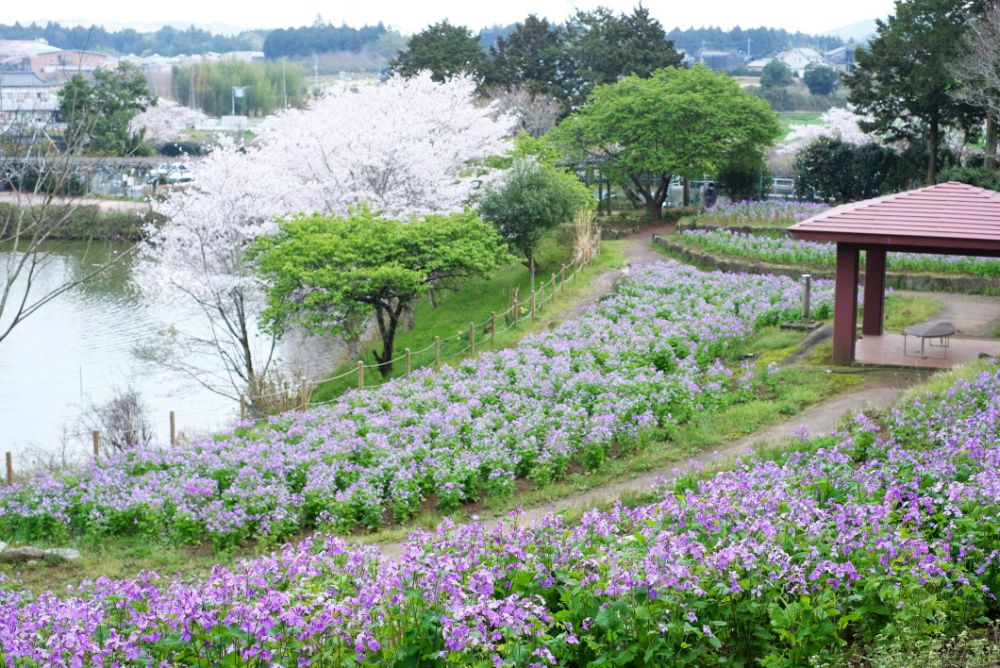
point(949, 218)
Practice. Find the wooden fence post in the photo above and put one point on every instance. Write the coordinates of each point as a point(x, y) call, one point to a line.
point(517, 310)
point(562, 275)
point(553, 296)
point(361, 375)
point(10, 469)
point(173, 428)
point(96, 435)
point(408, 363)
point(472, 338)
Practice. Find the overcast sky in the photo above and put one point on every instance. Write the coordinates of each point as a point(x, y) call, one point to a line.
point(410, 16)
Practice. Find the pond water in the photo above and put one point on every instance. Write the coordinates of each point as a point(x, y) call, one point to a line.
point(78, 349)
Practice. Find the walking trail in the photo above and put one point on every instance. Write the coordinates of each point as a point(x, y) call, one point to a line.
point(880, 390)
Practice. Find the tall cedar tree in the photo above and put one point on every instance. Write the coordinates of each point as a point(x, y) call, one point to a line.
point(445, 50)
point(902, 80)
point(528, 58)
point(601, 48)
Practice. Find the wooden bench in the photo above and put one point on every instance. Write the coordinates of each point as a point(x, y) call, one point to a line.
point(927, 332)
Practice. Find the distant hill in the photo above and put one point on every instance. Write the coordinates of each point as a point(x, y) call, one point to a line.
point(856, 31)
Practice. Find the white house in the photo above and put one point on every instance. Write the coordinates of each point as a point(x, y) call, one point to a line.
point(26, 97)
point(796, 59)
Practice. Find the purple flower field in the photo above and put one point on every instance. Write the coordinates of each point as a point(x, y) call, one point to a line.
point(785, 250)
point(642, 360)
point(762, 212)
point(885, 530)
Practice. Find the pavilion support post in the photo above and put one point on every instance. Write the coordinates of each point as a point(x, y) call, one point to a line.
point(871, 324)
point(845, 304)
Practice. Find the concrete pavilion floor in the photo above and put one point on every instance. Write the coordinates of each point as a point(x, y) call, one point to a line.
point(888, 350)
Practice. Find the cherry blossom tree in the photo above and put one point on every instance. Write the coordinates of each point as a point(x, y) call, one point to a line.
point(197, 256)
point(836, 122)
point(166, 121)
point(407, 148)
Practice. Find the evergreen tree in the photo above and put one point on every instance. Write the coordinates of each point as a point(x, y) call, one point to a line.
point(444, 49)
point(902, 79)
point(528, 58)
point(601, 48)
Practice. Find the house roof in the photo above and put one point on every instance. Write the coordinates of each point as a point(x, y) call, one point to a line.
point(22, 48)
point(949, 217)
point(23, 80)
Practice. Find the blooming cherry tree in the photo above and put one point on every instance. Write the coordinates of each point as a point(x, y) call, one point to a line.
point(166, 121)
point(408, 148)
point(835, 122)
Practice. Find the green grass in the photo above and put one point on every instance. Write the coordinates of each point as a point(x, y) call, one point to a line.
point(789, 118)
point(902, 311)
point(120, 558)
point(473, 302)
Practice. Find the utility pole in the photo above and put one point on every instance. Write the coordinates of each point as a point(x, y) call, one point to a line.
point(284, 86)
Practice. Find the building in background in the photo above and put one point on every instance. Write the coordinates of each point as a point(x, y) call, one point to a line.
point(722, 61)
point(26, 98)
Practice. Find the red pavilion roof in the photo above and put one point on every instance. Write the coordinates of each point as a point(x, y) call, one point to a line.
point(949, 217)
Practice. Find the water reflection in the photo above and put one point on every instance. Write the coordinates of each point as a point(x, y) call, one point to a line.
point(78, 348)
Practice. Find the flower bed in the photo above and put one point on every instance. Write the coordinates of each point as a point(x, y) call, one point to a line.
point(763, 213)
point(889, 530)
point(782, 249)
point(645, 359)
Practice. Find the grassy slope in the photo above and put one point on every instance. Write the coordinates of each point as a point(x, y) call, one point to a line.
point(474, 302)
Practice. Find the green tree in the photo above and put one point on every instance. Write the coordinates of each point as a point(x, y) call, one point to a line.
point(97, 115)
point(902, 79)
point(534, 197)
point(601, 48)
point(776, 75)
point(329, 273)
point(821, 79)
point(268, 87)
point(528, 58)
point(678, 122)
point(444, 49)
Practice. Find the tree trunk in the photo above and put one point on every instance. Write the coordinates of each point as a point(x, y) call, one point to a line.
point(991, 141)
point(387, 317)
point(933, 139)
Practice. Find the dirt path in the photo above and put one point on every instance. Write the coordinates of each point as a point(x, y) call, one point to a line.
point(24, 199)
point(879, 392)
point(974, 316)
point(639, 250)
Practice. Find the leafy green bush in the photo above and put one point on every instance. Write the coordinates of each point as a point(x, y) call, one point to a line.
point(975, 176)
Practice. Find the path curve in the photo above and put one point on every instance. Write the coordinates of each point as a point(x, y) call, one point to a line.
point(880, 391)
point(974, 316)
